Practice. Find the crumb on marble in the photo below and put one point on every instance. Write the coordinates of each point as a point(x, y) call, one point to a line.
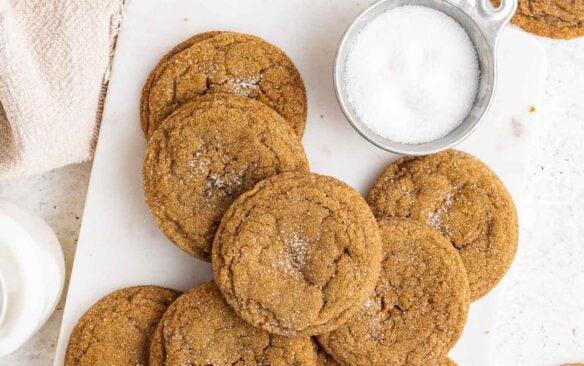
point(532, 109)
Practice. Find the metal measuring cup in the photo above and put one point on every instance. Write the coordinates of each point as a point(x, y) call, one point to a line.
point(483, 24)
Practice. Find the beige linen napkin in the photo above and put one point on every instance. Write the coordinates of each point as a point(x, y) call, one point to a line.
point(54, 65)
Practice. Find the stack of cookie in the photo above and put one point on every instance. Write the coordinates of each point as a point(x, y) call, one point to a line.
point(221, 112)
point(307, 272)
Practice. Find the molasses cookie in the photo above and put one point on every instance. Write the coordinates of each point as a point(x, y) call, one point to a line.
point(461, 198)
point(200, 329)
point(550, 18)
point(117, 330)
point(225, 62)
point(298, 254)
point(418, 308)
point(204, 155)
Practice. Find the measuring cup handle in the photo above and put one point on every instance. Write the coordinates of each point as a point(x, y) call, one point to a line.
point(501, 15)
point(490, 19)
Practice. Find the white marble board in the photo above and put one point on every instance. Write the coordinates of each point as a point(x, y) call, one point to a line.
point(120, 246)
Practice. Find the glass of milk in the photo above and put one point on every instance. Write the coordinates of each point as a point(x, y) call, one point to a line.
point(32, 274)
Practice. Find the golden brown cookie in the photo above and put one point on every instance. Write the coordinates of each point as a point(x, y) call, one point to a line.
point(418, 309)
point(550, 18)
point(448, 362)
point(298, 254)
point(200, 329)
point(117, 330)
point(204, 155)
point(224, 62)
point(460, 197)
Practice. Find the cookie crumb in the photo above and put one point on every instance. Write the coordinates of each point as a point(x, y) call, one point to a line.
point(532, 109)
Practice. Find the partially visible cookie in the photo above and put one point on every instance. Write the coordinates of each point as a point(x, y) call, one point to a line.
point(144, 108)
point(200, 329)
point(460, 197)
point(117, 330)
point(225, 62)
point(418, 309)
point(448, 362)
point(204, 155)
point(550, 18)
point(298, 254)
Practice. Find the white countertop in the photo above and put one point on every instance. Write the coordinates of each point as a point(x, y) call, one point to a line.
point(541, 321)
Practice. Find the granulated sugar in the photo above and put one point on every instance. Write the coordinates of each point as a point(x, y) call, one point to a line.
point(243, 88)
point(412, 74)
point(293, 257)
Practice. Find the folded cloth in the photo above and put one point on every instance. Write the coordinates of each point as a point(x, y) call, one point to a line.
point(54, 65)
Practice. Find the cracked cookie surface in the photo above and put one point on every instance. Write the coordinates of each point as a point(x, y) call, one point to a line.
point(298, 254)
point(324, 359)
point(419, 306)
point(224, 62)
point(200, 329)
point(562, 19)
point(460, 197)
point(204, 155)
point(117, 330)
